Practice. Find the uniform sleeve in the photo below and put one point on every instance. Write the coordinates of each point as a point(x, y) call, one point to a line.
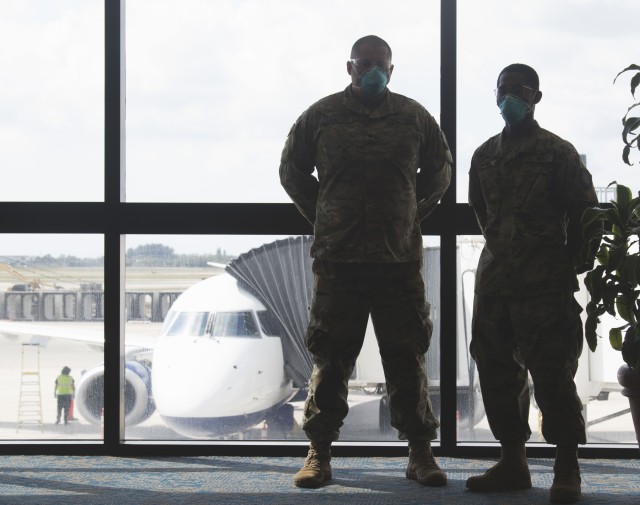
point(297, 166)
point(435, 168)
point(578, 195)
point(476, 198)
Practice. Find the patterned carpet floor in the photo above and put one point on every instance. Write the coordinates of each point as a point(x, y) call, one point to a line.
point(75, 480)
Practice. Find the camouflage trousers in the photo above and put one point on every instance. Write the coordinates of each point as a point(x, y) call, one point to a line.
point(541, 335)
point(344, 296)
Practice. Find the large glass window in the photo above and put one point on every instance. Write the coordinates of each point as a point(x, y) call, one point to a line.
point(577, 47)
point(52, 100)
point(218, 335)
point(605, 410)
point(214, 87)
point(51, 318)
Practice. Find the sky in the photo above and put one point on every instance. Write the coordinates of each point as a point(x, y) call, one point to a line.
point(213, 87)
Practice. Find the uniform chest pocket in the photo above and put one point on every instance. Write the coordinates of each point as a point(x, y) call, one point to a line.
point(397, 141)
point(491, 181)
point(534, 181)
point(334, 144)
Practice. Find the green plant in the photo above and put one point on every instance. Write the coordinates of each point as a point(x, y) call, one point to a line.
point(630, 124)
point(614, 284)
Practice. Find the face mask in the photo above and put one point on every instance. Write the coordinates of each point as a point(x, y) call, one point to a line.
point(513, 109)
point(373, 82)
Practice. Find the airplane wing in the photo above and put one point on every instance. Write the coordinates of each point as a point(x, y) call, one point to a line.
point(88, 333)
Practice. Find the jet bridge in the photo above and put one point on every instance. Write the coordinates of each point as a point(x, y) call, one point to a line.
point(279, 274)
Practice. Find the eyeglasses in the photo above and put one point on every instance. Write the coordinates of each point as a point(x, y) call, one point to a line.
point(513, 89)
point(365, 64)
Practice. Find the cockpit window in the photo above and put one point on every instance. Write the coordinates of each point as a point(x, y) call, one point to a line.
point(219, 324)
point(234, 324)
point(187, 324)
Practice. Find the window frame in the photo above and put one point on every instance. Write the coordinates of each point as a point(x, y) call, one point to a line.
point(115, 218)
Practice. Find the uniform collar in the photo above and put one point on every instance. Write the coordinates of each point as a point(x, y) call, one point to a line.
point(384, 108)
point(528, 130)
point(510, 146)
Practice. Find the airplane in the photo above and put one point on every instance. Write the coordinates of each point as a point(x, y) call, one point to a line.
point(214, 370)
point(231, 354)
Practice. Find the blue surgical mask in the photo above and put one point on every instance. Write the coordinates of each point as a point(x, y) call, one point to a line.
point(373, 82)
point(513, 109)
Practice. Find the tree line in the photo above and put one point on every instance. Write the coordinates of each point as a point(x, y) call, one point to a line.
point(147, 255)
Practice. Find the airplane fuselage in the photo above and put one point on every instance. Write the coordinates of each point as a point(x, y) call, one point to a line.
point(215, 371)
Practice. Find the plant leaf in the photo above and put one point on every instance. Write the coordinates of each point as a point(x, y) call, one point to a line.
point(634, 205)
point(603, 255)
point(630, 125)
point(590, 326)
point(594, 283)
point(630, 67)
point(617, 252)
point(635, 80)
point(623, 195)
point(612, 214)
point(624, 308)
point(628, 271)
point(590, 215)
point(631, 347)
point(615, 338)
point(608, 299)
point(629, 109)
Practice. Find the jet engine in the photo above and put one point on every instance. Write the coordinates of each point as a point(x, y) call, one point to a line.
point(138, 399)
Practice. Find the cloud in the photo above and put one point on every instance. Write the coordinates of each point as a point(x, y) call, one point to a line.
point(214, 86)
point(52, 100)
point(577, 47)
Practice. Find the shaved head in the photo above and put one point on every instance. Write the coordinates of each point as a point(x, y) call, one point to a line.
point(371, 40)
point(529, 74)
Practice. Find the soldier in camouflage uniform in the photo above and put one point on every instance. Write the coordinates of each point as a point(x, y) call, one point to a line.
point(382, 165)
point(528, 188)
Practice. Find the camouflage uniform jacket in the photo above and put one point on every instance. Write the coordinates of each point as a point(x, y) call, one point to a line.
point(528, 195)
point(379, 172)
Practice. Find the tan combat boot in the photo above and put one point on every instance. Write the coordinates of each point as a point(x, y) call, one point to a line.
point(317, 467)
point(422, 466)
point(566, 476)
point(510, 473)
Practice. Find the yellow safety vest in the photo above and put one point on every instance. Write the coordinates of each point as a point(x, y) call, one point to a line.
point(65, 385)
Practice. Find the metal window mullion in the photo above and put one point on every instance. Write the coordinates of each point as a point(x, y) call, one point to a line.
point(113, 249)
point(448, 309)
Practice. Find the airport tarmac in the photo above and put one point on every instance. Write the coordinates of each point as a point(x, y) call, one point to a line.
point(361, 424)
point(607, 425)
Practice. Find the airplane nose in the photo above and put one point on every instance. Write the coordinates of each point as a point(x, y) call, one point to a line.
point(198, 379)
